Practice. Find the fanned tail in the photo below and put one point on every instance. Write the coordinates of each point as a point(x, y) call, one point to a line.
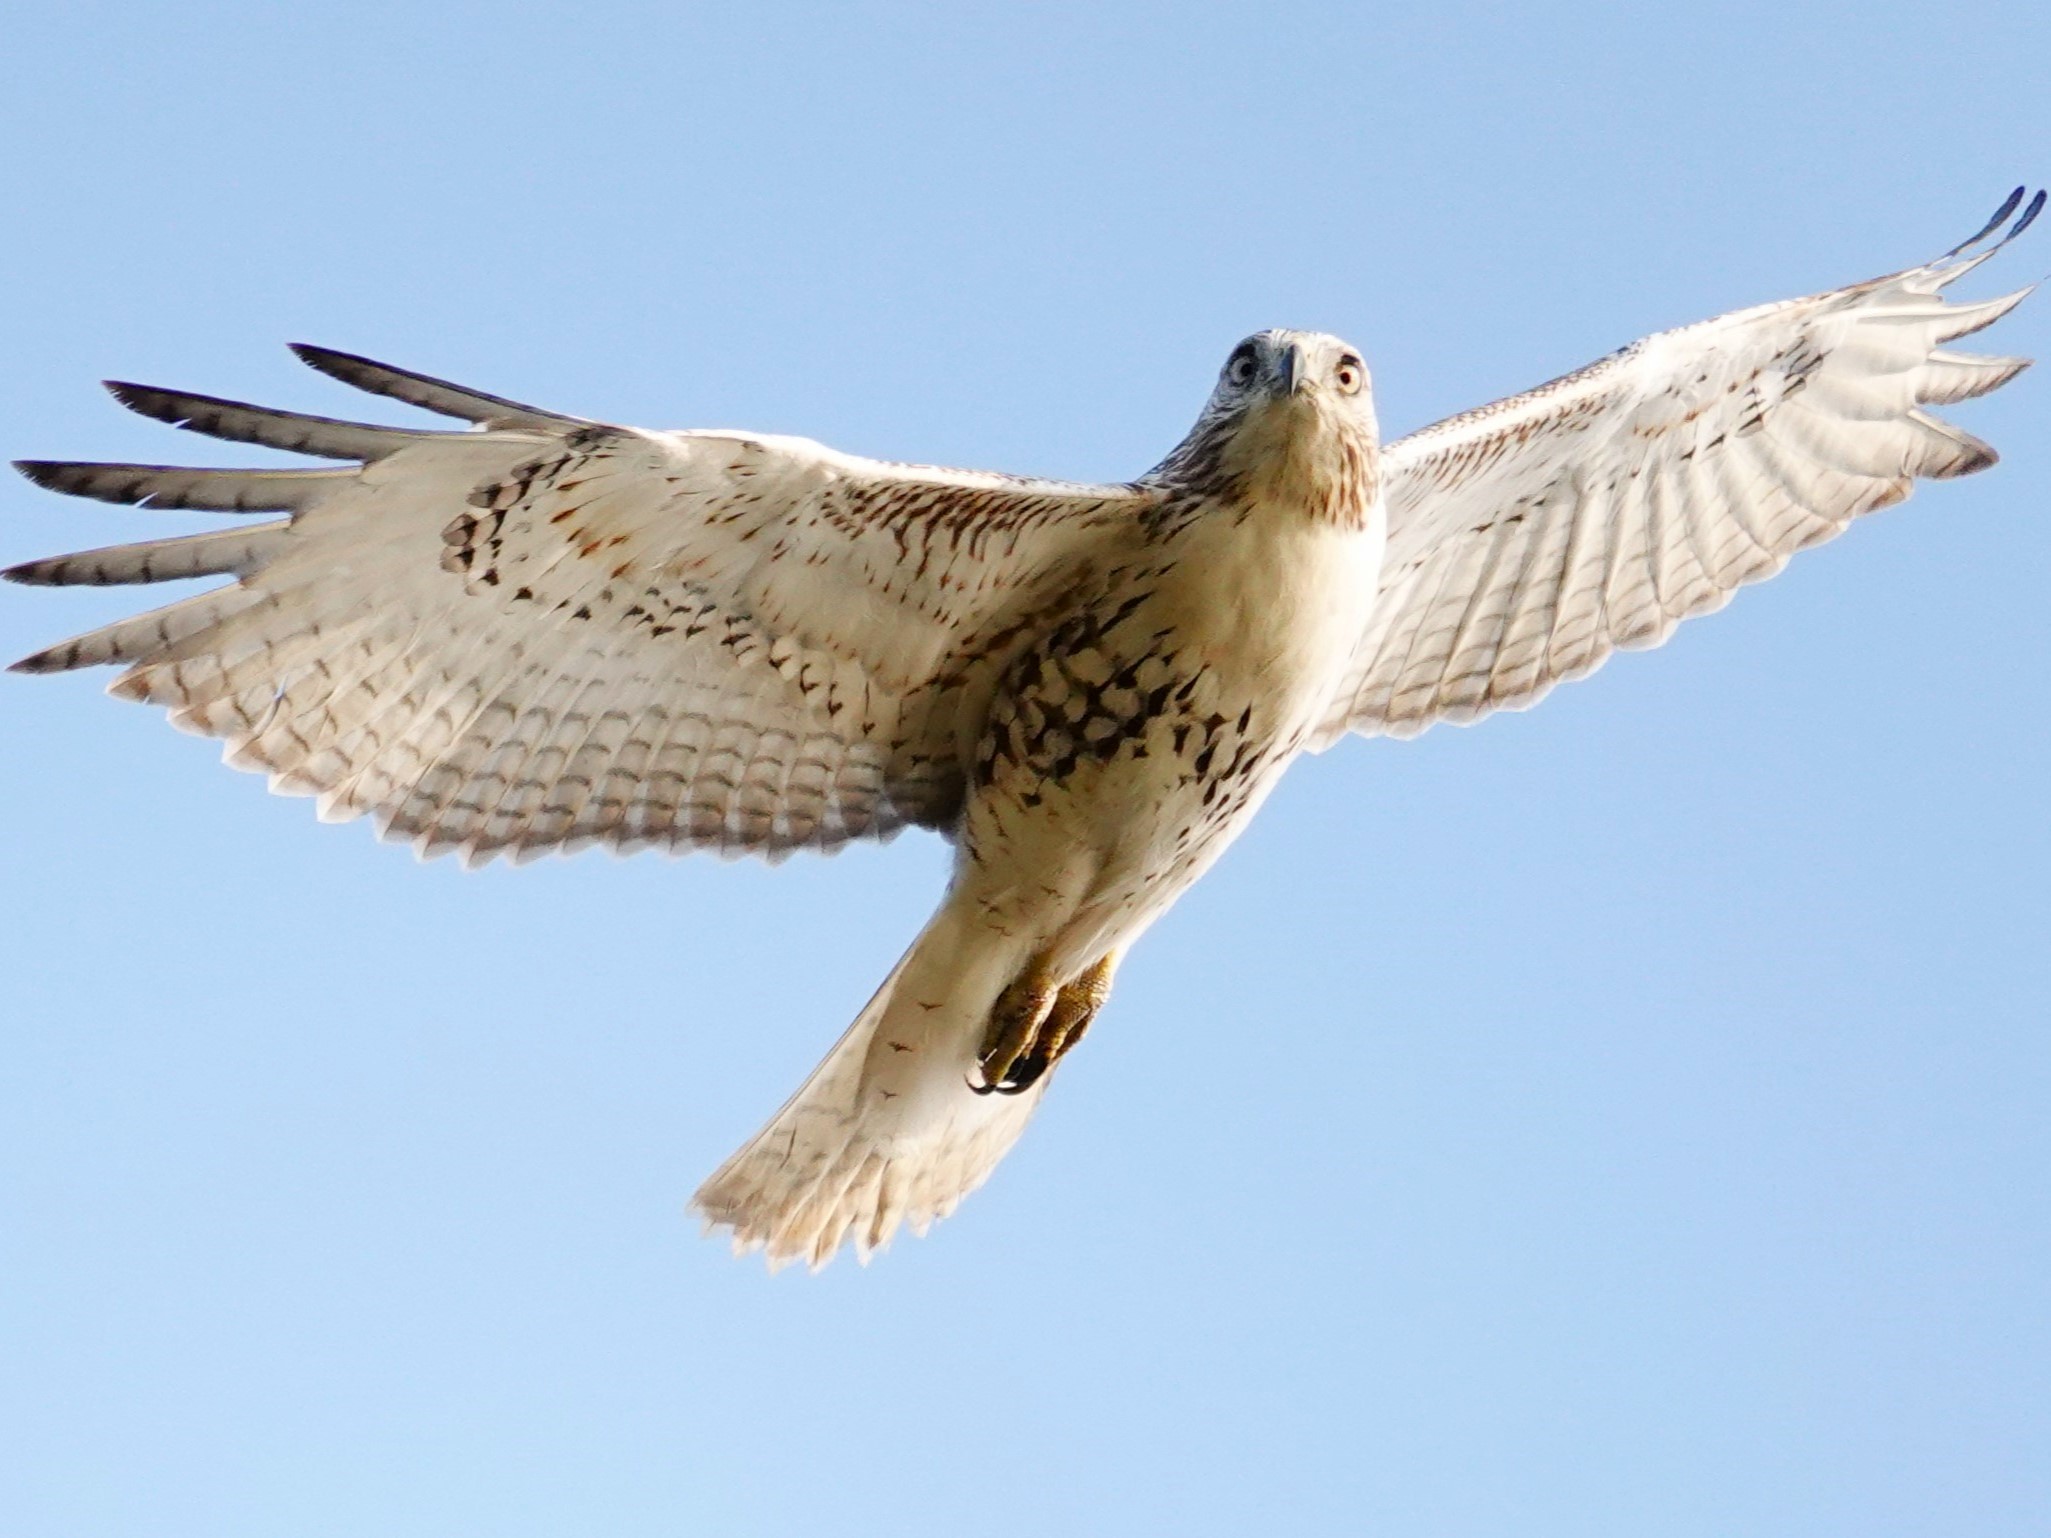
point(886, 1132)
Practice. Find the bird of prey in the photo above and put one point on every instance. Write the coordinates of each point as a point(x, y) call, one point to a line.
point(543, 632)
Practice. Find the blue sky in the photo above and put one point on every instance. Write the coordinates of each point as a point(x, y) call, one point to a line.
point(1626, 1118)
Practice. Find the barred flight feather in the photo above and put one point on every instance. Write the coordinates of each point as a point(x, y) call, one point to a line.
point(545, 632)
point(429, 393)
point(230, 552)
point(293, 431)
point(171, 486)
point(1742, 440)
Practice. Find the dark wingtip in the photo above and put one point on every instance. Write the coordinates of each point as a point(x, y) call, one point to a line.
point(314, 356)
point(333, 362)
point(134, 396)
point(1979, 456)
point(159, 404)
point(33, 573)
point(2001, 214)
point(44, 472)
point(2029, 216)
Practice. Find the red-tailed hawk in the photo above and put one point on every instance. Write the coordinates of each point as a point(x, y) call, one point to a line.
point(544, 632)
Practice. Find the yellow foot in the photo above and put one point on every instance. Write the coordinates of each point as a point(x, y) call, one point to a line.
point(1033, 1026)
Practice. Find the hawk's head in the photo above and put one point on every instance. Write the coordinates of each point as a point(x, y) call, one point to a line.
point(1290, 424)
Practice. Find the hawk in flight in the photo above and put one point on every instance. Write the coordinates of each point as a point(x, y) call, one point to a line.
point(543, 632)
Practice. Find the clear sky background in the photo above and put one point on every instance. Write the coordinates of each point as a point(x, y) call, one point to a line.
point(1624, 1119)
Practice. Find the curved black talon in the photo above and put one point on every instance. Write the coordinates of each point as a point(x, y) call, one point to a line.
point(1023, 1075)
point(1027, 1071)
point(1005, 1087)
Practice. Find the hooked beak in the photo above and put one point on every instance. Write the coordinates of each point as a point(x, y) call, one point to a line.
point(1289, 374)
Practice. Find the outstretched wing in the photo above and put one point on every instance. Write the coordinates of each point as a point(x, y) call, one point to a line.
point(1531, 538)
point(544, 631)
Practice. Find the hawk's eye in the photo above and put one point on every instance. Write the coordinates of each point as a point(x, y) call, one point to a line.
point(1350, 375)
point(1239, 370)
